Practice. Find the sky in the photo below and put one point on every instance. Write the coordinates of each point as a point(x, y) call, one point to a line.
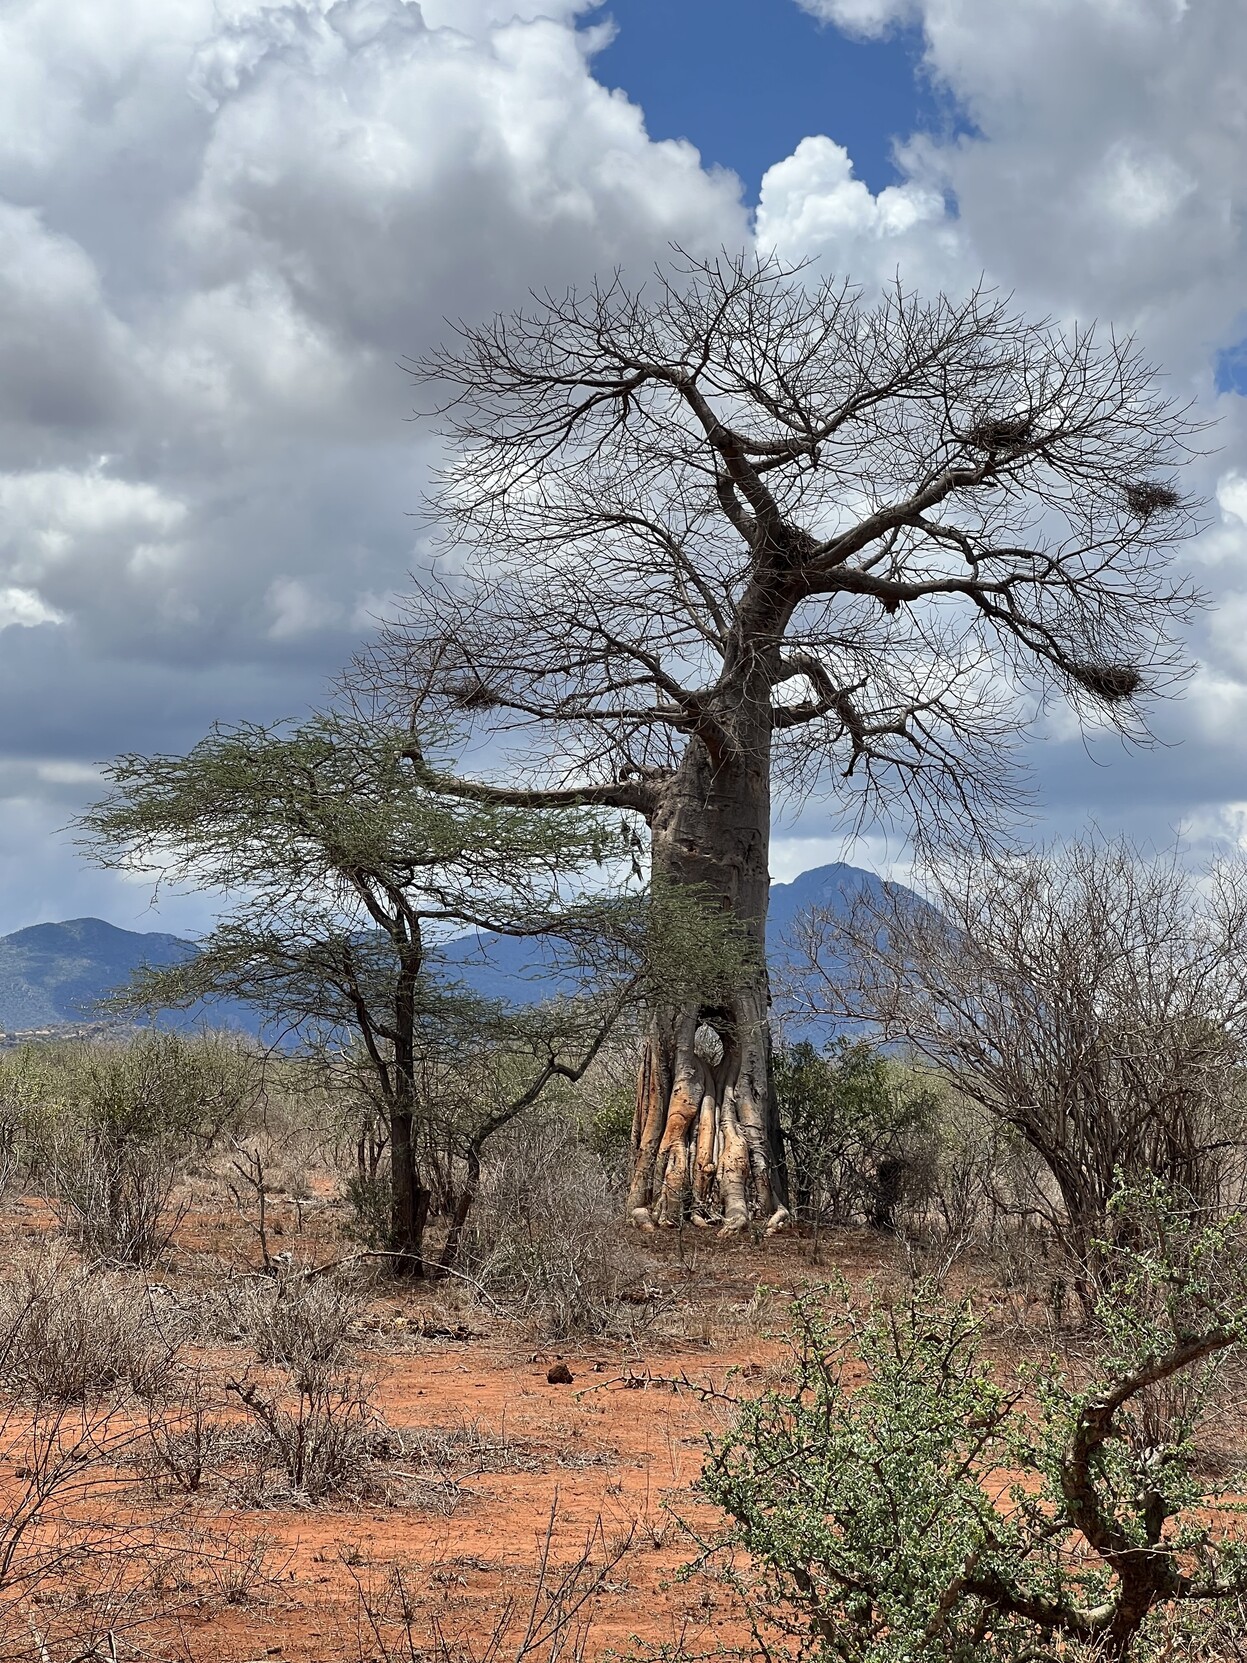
point(224, 223)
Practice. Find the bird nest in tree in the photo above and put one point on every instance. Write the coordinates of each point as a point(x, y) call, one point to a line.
point(1000, 432)
point(1146, 497)
point(472, 695)
point(1111, 682)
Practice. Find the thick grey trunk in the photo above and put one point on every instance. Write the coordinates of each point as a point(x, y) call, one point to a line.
point(705, 1135)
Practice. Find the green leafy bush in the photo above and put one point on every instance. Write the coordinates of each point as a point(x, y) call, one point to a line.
point(857, 1129)
point(896, 1503)
point(108, 1126)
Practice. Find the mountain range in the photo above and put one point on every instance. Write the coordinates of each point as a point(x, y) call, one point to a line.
point(53, 974)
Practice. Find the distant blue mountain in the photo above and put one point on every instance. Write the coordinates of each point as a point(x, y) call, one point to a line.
point(53, 974)
point(831, 889)
point(519, 970)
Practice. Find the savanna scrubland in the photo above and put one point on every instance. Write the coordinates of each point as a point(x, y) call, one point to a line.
point(635, 1321)
point(940, 1403)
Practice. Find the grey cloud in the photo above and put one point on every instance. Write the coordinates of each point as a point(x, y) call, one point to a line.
point(223, 225)
point(1104, 178)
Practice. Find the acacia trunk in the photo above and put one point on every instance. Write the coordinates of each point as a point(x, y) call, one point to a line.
point(706, 1141)
point(409, 1200)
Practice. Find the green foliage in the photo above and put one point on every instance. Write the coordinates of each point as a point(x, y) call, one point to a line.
point(608, 1130)
point(852, 1503)
point(346, 860)
point(855, 1125)
point(342, 866)
point(144, 1088)
point(897, 1504)
point(694, 953)
point(367, 1194)
point(108, 1126)
point(305, 806)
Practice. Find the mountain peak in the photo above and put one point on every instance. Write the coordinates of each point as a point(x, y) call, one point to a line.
point(56, 973)
point(91, 933)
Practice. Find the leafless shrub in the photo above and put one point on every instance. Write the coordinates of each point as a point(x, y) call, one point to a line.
point(237, 1563)
point(76, 1337)
point(249, 1188)
point(972, 1182)
point(108, 1126)
point(115, 1198)
point(74, 1575)
point(189, 1441)
point(302, 1323)
point(546, 1241)
point(551, 1625)
point(1089, 998)
point(315, 1431)
point(82, 1575)
point(427, 1466)
point(204, 1557)
point(463, 1451)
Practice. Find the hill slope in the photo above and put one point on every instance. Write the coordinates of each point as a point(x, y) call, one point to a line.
point(54, 973)
point(500, 967)
point(51, 974)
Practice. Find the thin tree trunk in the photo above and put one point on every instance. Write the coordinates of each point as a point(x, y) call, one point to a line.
point(467, 1195)
point(705, 1133)
point(409, 1210)
point(409, 1198)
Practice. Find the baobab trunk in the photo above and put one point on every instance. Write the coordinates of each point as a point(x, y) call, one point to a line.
point(706, 1139)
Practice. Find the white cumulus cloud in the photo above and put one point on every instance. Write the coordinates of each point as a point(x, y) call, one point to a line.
point(811, 205)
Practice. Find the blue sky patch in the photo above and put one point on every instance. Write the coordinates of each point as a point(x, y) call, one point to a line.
point(1231, 369)
point(746, 80)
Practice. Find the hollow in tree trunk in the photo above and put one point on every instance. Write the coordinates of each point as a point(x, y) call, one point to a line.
point(706, 1139)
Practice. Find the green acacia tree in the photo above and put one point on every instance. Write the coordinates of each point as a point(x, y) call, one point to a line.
point(340, 871)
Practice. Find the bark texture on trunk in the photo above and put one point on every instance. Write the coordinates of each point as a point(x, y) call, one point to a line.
point(409, 1200)
point(706, 1141)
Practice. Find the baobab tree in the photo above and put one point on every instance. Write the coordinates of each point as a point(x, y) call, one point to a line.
point(741, 528)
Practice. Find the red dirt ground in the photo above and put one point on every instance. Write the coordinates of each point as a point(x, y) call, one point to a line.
point(609, 1459)
point(605, 1460)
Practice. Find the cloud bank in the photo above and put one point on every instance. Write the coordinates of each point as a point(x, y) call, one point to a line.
point(1102, 178)
point(222, 225)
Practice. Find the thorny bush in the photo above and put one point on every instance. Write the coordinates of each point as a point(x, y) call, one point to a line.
point(75, 1336)
point(922, 1514)
point(545, 1239)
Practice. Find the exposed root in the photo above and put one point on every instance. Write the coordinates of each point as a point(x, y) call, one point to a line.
point(701, 1128)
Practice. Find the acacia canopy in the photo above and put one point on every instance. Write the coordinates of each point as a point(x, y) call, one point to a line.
point(339, 871)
